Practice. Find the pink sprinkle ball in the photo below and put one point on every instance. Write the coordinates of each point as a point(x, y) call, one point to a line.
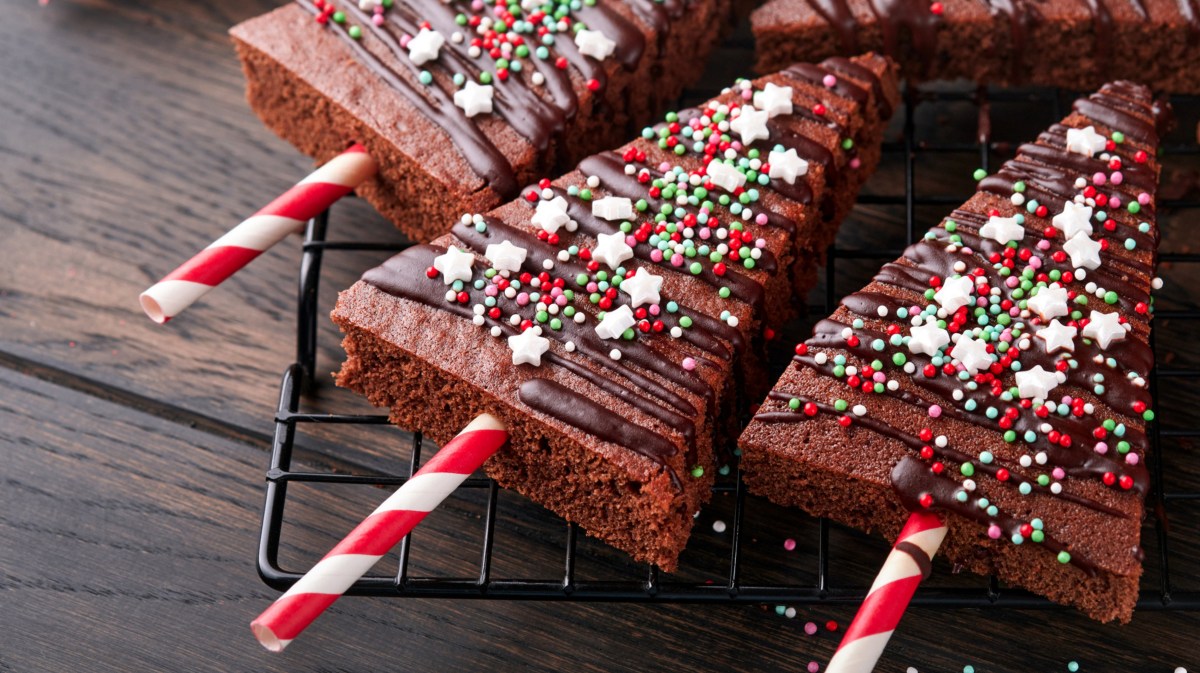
point(491, 290)
point(592, 287)
point(994, 532)
point(522, 299)
point(1116, 178)
point(1102, 448)
point(631, 241)
point(1042, 245)
point(1132, 458)
point(404, 40)
point(829, 81)
point(677, 259)
point(810, 628)
point(790, 544)
point(1143, 198)
point(761, 219)
point(654, 309)
point(656, 255)
point(813, 667)
point(1114, 202)
point(855, 163)
point(378, 19)
point(935, 411)
point(1058, 473)
point(664, 167)
point(1099, 179)
point(747, 94)
point(689, 364)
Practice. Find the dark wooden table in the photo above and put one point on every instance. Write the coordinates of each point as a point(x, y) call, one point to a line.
point(132, 455)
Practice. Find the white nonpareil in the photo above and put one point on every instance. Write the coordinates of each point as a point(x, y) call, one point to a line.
point(786, 166)
point(613, 208)
point(595, 44)
point(972, 354)
point(954, 293)
point(774, 100)
point(425, 45)
point(551, 215)
point(611, 249)
point(1049, 302)
point(1003, 230)
point(1074, 218)
point(1037, 383)
point(751, 125)
point(474, 98)
point(505, 256)
point(454, 265)
point(642, 287)
point(725, 176)
point(615, 323)
point(528, 347)
point(1085, 141)
point(928, 339)
point(1084, 252)
point(1105, 328)
point(1057, 335)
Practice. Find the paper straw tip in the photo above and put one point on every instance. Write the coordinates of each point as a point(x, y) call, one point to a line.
point(267, 637)
point(153, 309)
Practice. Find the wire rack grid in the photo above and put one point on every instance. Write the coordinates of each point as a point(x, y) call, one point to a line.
point(648, 586)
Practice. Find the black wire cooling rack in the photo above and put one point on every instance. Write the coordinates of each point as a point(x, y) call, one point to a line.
point(648, 585)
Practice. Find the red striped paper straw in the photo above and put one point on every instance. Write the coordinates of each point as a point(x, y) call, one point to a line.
point(292, 612)
point(285, 215)
point(905, 567)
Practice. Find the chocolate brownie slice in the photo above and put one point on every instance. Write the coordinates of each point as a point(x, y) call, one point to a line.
point(612, 317)
point(1076, 44)
point(464, 102)
point(997, 372)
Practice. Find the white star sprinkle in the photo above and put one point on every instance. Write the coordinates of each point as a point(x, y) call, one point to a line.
point(1037, 383)
point(595, 44)
point(725, 176)
point(454, 265)
point(474, 98)
point(1085, 141)
point(1057, 335)
point(928, 339)
point(786, 165)
point(551, 215)
point(954, 293)
point(611, 249)
point(642, 287)
point(528, 347)
point(751, 125)
point(1105, 328)
point(505, 256)
point(972, 354)
point(615, 323)
point(1074, 218)
point(425, 45)
point(613, 208)
point(1084, 252)
point(775, 100)
point(1049, 302)
point(1003, 230)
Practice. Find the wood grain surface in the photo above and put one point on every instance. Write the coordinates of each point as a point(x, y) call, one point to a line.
point(132, 455)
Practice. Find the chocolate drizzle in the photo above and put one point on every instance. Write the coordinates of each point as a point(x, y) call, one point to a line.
point(403, 276)
point(549, 398)
point(538, 116)
point(1049, 172)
